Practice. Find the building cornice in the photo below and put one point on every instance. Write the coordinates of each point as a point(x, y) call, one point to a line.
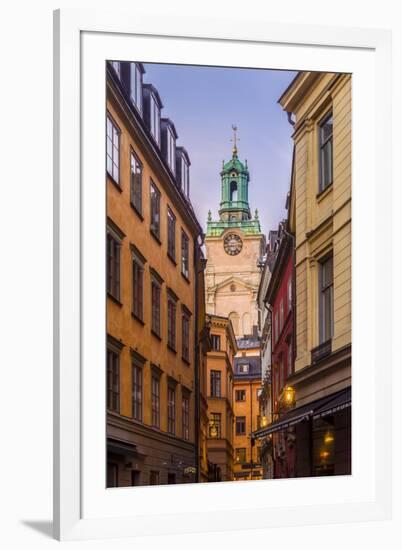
point(137, 126)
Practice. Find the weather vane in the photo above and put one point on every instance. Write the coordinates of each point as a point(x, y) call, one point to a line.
point(235, 139)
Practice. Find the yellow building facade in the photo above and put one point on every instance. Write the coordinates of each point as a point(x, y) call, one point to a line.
point(152, 299)
point(220, 398)
point(246, 388)
point(321, 220)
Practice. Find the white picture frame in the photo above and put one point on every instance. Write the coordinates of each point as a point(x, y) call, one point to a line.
point(83, 508)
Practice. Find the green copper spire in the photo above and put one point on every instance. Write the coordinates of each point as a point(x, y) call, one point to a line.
point(234, 208)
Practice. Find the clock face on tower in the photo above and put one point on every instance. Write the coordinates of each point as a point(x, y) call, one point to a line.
point(232, 244)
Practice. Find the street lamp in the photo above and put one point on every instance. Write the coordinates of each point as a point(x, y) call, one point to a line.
point(264, 421)
point(289, 395)
point(329, 437)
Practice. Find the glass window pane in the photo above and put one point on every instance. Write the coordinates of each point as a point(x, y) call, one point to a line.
point(326, 129)
point(115, 173)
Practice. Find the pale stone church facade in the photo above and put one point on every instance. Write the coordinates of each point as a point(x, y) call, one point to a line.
point(234, 248)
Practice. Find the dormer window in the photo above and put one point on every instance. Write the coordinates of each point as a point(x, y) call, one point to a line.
point(136, 72)
point(155, 119)
point(169, 136)
point(171, 151)
point(183, 171)
point(185, 176)
point(244, 368)
point(152, 111)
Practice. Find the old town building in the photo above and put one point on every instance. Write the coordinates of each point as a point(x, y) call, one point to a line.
point(265, 333)
point(234, 249)
point(319, 106)
point(220, 360)
point(247, 383)
point(201, 397)
point(154, 331)
point(279, 297)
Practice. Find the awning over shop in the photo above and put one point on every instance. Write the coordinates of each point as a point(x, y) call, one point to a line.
point(341, 400)
point(122, 448)
point(316, 409)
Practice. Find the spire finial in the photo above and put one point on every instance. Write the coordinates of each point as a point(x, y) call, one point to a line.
point(235, 140)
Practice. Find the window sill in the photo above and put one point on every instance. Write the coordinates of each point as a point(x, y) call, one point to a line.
point(155, 236)
point(171, 258)
point(325, 192)
point(139, 214)
point(137, 318)
point(115, 183)
point(156, 335)
point(114, 299)
point(185, 277)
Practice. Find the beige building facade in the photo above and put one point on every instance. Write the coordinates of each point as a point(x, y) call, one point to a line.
point(321, 221)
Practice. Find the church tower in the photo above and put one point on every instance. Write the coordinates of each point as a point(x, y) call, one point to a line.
point(234, 246)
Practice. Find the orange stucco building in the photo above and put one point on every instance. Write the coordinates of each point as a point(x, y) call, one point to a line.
point(220, 398)
point(153, 354)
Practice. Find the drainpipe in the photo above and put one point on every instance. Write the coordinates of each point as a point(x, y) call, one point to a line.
point(197, 401)
point(196, 366)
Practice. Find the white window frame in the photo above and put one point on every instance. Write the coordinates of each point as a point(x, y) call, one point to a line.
point(136, 86)
point(155, 118)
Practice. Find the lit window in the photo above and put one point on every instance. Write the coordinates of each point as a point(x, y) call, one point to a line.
point(240, 455)
point(215, 425)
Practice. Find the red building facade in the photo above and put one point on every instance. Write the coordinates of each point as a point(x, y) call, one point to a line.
point(280, 298)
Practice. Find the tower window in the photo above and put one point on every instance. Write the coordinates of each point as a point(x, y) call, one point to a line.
point(233, 191)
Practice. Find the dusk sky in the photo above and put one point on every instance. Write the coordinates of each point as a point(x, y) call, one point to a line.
point(203, 103)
